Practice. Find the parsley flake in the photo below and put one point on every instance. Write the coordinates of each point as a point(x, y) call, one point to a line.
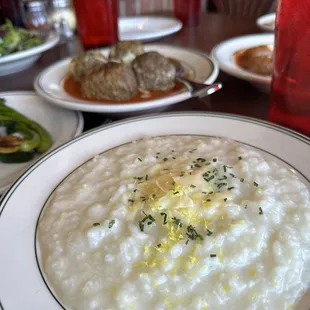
point(209, 232)
point(112, 222)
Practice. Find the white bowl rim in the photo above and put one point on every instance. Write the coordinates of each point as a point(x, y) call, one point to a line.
point(50, 42)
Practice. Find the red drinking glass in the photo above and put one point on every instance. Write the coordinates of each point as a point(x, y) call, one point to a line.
point(187, 11)
point(97, 22)
point(290, 93)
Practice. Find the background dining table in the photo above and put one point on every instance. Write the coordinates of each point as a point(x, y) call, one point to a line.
point(237, 96)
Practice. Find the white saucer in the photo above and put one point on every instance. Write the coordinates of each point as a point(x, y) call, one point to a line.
point(223, 55)
point(63, 125)
point(147, 28)
point(49, 84)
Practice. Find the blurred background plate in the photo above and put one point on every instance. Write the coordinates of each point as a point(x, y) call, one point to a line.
point(223, 55)
point(267, 22)
point(147, 28)
point(63, 125)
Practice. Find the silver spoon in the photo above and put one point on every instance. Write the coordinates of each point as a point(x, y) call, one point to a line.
point(196, 89)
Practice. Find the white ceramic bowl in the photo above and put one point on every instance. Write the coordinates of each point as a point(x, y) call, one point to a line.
point(22, 285)
point(49, 84)
point(20, 61)
point(223, 55)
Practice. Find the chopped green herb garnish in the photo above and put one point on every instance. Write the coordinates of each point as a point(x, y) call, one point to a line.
point(230, 188)
point(255, 184)
point(231, 174)
point(131, 200)
point(207, 164)
point(139, 159)
point(146, 177)
point(96, 224)
point(197, 166)
point(260, 211)
point(242, 180)
point(219, 185)
point(225, 199)
point(209, 232)
point(192, 233)
point(141, 225)
point(245, 207)
point(182, 173)
point(172, 151)
point(159, 245)
point(208, 199)
point(202, 160)
point(204, 192)
point(157, 153)
point(165, 217)
point(135, 190)
point(177, 221)
point(187, 241)
point(173, 158)
point(151, 218)
point(165, 159)
point(193, 186)
point(214, 160)
point(111, 223)
point(156, 157)
point(193, 150)
point(175, 193)
point(212, 255)
point(173, 183)
point(153, 196)
point(226, 167)
point(240, 158)
point(209, 179)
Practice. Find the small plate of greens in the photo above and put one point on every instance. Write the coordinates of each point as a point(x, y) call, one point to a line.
point(20, 48)
point(30, 127)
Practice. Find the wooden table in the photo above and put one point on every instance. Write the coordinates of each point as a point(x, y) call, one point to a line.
point(236, 97)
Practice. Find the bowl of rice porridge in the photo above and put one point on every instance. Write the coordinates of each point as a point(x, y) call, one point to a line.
point(211, 216)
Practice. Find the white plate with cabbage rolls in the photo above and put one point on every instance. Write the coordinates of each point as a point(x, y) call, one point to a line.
point(129, 78)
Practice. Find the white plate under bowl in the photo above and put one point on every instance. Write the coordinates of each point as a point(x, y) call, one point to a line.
point(63, 125)
point(267, 22)
point(19, 61)
point(147, 28)
point(223, 55)
point(21, 283)
point(49, 84)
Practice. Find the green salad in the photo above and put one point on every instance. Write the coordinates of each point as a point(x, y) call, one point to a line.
point(13, 39)
point(23, 137)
